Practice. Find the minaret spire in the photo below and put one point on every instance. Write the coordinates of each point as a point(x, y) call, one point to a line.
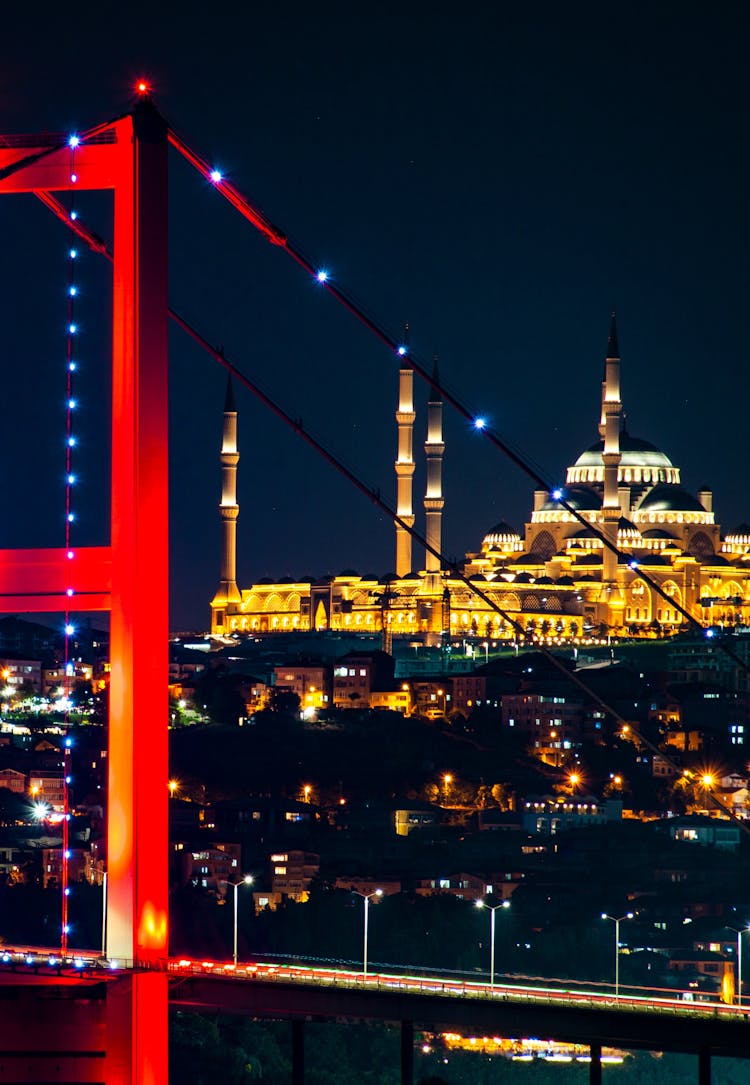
point(228, 591)
point(611, 455)
point(405, 416)
point(611, 382)
point(433, 502)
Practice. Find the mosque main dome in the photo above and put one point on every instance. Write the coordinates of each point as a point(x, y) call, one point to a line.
point(641, 466)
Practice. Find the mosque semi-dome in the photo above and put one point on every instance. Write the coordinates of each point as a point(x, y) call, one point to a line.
point(669, 498)
point(627, 529)
point(658, 533)
point(502, 537)
point(738, 541)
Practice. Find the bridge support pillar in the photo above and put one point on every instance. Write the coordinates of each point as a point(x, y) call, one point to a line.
point(595, 1066)
point(407, 1053)
point(298, 1051)
point(137, 1023)
point(704, 1066)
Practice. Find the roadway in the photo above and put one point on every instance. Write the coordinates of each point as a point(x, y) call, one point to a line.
point(652, 1020)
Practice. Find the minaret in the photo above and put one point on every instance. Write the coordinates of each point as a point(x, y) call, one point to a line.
point(610, 429)
point(228, 591)
point(433, 502)
point(405, 464)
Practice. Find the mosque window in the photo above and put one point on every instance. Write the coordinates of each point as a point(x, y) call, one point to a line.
point(544, 546)
point(700, 545)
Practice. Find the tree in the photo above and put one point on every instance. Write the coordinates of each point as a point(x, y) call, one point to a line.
point(82, 693)
point(201, 1055)
point(501, 796)
point(283, 702)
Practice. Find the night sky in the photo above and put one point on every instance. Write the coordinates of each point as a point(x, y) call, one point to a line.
point(501, 181)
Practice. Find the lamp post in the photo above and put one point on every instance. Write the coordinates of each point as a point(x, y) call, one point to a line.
point(492, 908)
point(366, 897)
point(739, 967)
point(617, 920)
point(739, 931)
point(247, 880)
point(104, 914)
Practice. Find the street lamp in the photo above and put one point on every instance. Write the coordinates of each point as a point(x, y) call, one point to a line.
point(104, 914)
point(739, 965)
point(739, 931)
point(247, 880)
point(492, 908)
point(617, 920)
point(366, 897)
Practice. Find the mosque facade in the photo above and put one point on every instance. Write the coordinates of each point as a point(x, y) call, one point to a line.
point(623, 549)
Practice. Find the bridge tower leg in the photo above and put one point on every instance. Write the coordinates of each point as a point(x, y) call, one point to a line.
point(298, 1051)
point(595, 1066)
point(407, 1053)
point(137, 836)
point(704, 1066)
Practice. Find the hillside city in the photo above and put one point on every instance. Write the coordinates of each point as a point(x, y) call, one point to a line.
point(328, 771)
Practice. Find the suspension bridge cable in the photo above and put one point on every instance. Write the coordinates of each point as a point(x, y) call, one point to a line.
point(277, 237)
point(375, 496)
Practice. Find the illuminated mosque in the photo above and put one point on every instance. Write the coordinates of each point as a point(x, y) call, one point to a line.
point(559, 581)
